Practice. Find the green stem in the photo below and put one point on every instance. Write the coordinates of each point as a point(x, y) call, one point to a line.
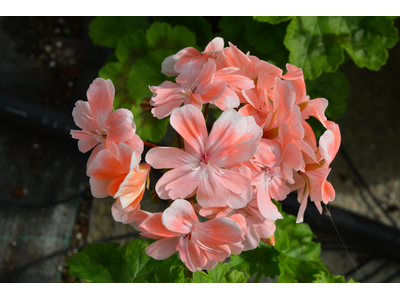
point(258, 277)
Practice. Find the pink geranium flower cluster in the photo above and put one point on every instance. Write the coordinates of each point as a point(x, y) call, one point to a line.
point(260, 148)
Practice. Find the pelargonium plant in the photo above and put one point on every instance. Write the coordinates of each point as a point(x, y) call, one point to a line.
point(260, 149)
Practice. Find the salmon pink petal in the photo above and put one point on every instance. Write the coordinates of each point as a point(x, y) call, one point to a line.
point(83, 117)
point(241, 221)
point(278, 189)
point(105, 165)
point(93, 155)
point(189, 58)
point(219, 231)
point(216, 253)
point(328, 192)
point(167, 66)
point(121, 125)
point(228, 100)
point(235, 182)
point(192, 256)
point(213, 91)
point(253, 98)
point(166, 109)
point(99, 187)
point(132, 188)
point(211, 192)
point(114, 186)
point(211, 264)
point(163, 248)
point(237, 154)
point(101, 98)
point(84, 145)
point(154, 225)
point(171, 176)
point(252, 239)
point(120, 215)
point(187, 182)
point(196, 101)
point(164, 92)
point(329, 144)
point(226, 131)
point(189, 122)
point(217, 44)
point(137, 145)
point(242, 60)
point(267, 208)
point(138, 218)
point(168, 157)
point(303, 205)
point(180, 217)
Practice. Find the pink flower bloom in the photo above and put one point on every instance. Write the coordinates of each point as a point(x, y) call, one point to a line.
point(204, 167)
point(191, 58)
point(115, 171)
point(200, 245)
point(316, 107)
point(99, 123)
point(192, 87)
point(313, 180)
point(257, 227)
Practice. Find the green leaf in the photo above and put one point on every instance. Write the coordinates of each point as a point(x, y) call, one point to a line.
point(142, 267)
point(145, 72)
point(220, 274)
point(263, 260)
point(148, 127)
point(272, 20)
point(175, 274)
point(163, 36)
point(267, 40)
point(326, 277)
point(117, 73)
point(316, 44)
point(295, 240)
point(198, 25)
point(335, 88)
point(233, 29)
point(131, 46)
point(370, 37)
point(100, 262)
point(106, 31)
point(295, 270)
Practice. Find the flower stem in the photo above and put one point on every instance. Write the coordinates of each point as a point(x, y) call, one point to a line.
point(149, 145)
point(258, 277)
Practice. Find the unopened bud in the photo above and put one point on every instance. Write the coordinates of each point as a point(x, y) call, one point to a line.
point(269, 241)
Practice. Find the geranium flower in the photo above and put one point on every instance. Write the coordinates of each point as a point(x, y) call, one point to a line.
point(100, 123)
point(313, 180)
point(200, 245)
point(204, 167)
point(191, 58)
point(192, 87)
point(116, 172)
